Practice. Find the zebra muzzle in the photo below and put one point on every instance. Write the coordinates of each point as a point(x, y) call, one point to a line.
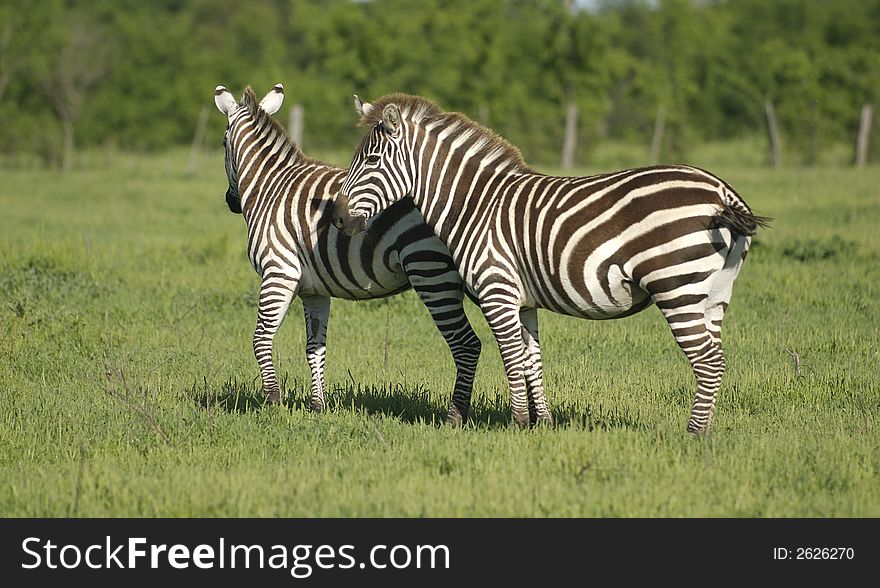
point(233, 202)
point(350, 224)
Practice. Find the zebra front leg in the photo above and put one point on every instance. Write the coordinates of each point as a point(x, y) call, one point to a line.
point(317, 312)
point(534, 372)
point(276, 294)
point(502, 314)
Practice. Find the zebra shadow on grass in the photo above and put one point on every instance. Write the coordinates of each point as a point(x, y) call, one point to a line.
point(406, 402)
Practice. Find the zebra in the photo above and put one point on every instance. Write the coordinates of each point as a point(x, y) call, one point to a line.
point(595, 247)
point(286, 199)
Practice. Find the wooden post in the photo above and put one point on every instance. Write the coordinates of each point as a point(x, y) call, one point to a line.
point(659, 130)
point(295, 127)
point(569, 142)
point(67, 153)
point(773, 129)
point(197, 141)
point(864, 135)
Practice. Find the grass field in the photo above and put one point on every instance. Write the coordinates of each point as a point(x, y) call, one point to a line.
point(128, 385)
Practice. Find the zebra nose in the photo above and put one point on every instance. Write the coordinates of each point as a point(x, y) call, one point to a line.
point(355, 224)
point(232, 202)
point(342, 218)
point(350, 224)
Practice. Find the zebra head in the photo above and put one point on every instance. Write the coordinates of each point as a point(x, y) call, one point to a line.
point(236, 114)
point(379, 175)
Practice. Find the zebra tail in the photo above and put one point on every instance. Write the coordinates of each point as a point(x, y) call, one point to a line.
point(740, 220)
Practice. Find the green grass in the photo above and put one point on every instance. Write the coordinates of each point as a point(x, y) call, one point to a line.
point(128, 385)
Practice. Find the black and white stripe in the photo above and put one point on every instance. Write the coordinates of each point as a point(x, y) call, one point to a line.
point(597, 247)
point(286, 199)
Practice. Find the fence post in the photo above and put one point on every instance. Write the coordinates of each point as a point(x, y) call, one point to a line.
point(295, 126)
point(864, 135)
point(773, 129)
point(569, 143)
point(198, 139)
point(659, 130)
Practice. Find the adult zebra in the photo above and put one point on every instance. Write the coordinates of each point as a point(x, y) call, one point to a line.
point(286, 199)
point(596, 247)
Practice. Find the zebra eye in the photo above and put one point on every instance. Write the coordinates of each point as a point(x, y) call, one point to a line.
point(372, 159)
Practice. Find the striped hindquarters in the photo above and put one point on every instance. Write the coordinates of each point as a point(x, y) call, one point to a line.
point(601, 246)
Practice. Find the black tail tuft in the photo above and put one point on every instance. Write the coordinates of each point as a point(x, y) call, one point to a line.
point(742, 222)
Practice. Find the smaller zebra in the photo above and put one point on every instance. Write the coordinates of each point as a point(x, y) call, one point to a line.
point(286, 199)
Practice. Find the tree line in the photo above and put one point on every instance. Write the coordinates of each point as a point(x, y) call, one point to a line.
point(135, 75)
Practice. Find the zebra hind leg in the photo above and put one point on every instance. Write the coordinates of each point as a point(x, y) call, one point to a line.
point(703, 350)
point(709, 365)
point(695, 312)
point(317, 312)
point(441, 292)
point(714, 316)
point(708, 368)
point(465, 347)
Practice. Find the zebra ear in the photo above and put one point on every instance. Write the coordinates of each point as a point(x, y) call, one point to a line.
point(272, 101)
point(391, 117)
point(224, 100)
point(363, 108)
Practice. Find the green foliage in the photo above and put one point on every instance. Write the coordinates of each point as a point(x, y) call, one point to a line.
point(129, 387)
point(513, 64)
point(818, 249)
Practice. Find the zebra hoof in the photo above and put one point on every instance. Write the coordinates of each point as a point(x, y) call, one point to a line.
point(543, 420)
point(317, 406)
point(519, 421)
point(699, 432)
point(274, 397)
point(454, 418)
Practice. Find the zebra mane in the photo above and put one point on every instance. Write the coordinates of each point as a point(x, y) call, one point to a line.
point(426, 112)
point(262, 118)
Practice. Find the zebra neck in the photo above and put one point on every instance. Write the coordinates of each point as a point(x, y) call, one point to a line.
point(260, 170)
point(449, 189)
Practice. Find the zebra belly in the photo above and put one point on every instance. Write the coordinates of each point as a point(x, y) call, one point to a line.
point(381, 283)
point(622, 297)
point(663, 252)
point(609, 294)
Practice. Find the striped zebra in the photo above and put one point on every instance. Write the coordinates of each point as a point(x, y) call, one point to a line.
point(286, 199)
point(596, 247)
